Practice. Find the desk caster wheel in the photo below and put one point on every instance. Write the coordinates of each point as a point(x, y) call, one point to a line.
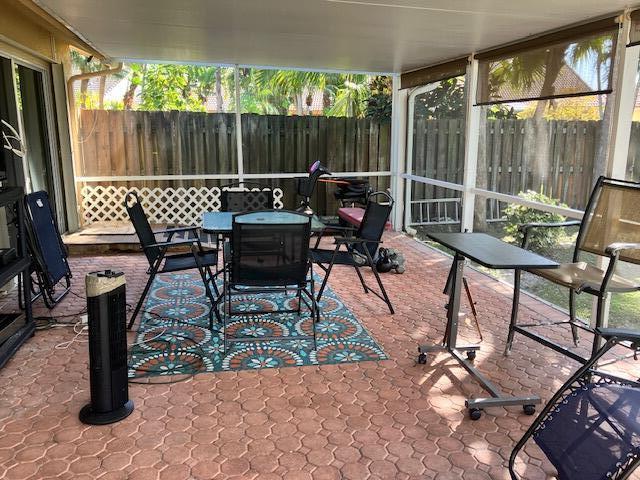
point(471, 355)
point(529, 409)
point(475, 413)
point(422, 358)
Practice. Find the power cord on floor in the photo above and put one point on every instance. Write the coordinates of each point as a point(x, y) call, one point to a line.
point(80, 330)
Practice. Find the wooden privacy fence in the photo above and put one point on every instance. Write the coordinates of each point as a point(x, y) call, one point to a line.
point(135, 143)
point(507, 160)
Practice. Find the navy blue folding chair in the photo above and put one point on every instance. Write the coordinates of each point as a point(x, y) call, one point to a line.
point(590, 429)
point(49, 266)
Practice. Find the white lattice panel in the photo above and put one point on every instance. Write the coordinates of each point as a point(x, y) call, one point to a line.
point(183, 206)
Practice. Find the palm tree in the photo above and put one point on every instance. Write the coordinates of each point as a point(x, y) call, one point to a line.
point(350, 93)
point(523, 72)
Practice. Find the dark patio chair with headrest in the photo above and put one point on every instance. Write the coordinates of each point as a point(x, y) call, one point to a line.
point(48, 253)
point(359, 247)
point(243, 197)
point(610, 229)
point(159, 262)
point(269, 258)
point(590, 429)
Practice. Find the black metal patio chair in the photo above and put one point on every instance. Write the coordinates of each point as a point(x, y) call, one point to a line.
point(269, 257)
point(358, 248)
point(610, 229)
point(244, 197)
point(160, 262)
point(590, 429)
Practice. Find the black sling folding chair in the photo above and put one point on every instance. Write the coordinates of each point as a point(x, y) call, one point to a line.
point(160, 262)
point(359, 249)
point(50, 269)
point(266, 257)
point(590, 429)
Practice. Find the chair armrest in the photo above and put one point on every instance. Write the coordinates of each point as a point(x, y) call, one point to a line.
point(528, 226)
point(173, 243)
point(345, 229)
point(617, 247)
point(622, 334)
point(177, 229)
point(348, 240)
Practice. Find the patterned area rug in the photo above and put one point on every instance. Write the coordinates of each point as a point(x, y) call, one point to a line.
point(174, 338)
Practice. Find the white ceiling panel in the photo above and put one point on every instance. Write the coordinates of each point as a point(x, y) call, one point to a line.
point(354, 35)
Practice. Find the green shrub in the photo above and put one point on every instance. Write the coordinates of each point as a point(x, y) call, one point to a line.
point(539, 238)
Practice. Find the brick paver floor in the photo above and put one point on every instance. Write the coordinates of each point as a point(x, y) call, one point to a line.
point(389, 419)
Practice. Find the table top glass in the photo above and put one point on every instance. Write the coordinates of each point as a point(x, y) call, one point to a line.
point(491, 252)
point(221, 222)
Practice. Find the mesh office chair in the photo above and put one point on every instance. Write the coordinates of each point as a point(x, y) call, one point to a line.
point(590, 429)
point(610, 229)
point(267, 258)
point(359, 250)
point(160, 262)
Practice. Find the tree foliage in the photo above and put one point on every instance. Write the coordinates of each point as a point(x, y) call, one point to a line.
point(447, 100)
point(262, 91)
point(517, 215)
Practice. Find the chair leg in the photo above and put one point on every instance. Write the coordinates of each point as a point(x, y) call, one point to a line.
point(299, 300)
point(597, 339)
point(364, 285)
point(315, 313)
point(572, 316)
point(324, 281)
point(212, 279)
point(377, 275)
point(202, 270)
point(152, 276)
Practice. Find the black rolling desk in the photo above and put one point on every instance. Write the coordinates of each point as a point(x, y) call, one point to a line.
point(491, 253)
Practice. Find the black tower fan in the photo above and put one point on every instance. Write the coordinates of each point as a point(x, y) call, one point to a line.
point(107, 310)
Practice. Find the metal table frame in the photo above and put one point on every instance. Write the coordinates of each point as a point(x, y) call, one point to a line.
point(458, 352)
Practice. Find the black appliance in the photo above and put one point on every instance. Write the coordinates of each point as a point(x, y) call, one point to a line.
point(107, 311)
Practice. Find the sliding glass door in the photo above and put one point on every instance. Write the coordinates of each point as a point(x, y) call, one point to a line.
point(28, 127)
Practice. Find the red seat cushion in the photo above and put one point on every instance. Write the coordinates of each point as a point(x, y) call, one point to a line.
point(354, 216)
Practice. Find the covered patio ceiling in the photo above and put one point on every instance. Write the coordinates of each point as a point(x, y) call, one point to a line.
point(388, 36)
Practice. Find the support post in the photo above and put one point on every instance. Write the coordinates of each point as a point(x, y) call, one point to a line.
point(472, 137)
point(624, 103)
point(625, 69)
point(398, 141)
point(236, 76)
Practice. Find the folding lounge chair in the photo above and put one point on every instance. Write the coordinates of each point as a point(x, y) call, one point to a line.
point(590, 429)
point(160, 262)
point(359, 250)
point(50, 269)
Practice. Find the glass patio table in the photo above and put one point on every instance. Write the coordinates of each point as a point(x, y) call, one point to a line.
point(491, 253)
point(222, 222)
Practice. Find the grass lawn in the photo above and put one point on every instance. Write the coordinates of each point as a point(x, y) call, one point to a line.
point(625, 308)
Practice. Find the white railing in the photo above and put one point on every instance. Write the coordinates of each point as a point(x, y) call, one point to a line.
point(436, 211)
point(181, 205)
